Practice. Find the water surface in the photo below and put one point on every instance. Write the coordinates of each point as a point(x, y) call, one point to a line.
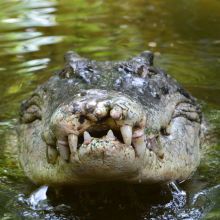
point(185, 39)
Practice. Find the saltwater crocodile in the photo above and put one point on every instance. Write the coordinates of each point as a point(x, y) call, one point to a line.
point(122, 121)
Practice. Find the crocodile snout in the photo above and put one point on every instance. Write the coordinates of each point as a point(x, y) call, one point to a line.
point(96, 112)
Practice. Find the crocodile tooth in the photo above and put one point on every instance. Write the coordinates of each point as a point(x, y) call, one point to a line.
point(64, 151)
point(139, 145)
point(126, 132)
point(52, 154)
point(110, 134)
point(73, 142)
point(148, 145)
point(157, 150)
point(153, 145)
point(87, 136)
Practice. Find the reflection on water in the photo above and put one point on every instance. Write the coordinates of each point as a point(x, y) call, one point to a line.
point(29, 45)
point(114, 201)
point(34, 35)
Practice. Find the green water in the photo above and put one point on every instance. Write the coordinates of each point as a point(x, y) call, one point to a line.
point(185, 38)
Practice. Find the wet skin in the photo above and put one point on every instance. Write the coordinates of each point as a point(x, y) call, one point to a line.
point(122, 121)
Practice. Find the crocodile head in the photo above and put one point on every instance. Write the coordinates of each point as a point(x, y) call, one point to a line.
point(105, 121)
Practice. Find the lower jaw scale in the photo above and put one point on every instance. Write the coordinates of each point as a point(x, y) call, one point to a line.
point(161, 154)
point(158, 152)
point(52, 154)
point(154, 147)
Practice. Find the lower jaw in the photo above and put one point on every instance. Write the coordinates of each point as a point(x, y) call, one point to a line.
point(106, 162)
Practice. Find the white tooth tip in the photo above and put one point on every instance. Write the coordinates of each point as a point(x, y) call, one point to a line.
point(87, 136)
point(110, 134)
point(126, 132)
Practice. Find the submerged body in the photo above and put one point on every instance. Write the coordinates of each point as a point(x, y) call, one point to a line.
point(104, 121)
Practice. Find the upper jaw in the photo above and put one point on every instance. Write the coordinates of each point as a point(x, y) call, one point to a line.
point(92, 114)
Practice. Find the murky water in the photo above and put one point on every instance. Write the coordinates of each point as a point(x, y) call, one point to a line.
point(185, 38)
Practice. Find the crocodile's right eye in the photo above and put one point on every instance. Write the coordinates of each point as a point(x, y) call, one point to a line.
point(30, 110)
point(31, 114)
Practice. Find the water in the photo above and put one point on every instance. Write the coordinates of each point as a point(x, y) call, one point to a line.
point(185, 38)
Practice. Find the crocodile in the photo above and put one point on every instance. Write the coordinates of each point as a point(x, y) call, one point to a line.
point(125, 121)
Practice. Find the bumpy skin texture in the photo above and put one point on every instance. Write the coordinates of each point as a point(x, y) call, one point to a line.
point(162, 117)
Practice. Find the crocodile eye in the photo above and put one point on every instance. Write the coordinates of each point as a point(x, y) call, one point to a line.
point(31, 114)
point(30, 110)
point(184, 111)
point(188, 111)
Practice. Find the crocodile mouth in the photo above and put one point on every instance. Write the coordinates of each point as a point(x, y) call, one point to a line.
point(97, 123)
point(100, 132)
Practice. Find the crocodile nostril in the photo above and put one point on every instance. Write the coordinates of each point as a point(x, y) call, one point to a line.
point(81, 119)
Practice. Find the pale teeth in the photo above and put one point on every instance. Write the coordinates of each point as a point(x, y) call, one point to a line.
point(148, 145)
point(110, 134)
point(157, 150)
point(64, 152)
point(126, 132)
point(153, 145)
point(73, 142)
point(87, 136)
point(139, 145)
point(52, 154)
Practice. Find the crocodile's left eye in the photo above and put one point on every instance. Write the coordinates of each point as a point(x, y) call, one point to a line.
point(187, 111)
point(186, 114)
point(30, 110)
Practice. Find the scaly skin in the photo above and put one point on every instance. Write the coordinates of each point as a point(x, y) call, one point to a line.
point(94, 122)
